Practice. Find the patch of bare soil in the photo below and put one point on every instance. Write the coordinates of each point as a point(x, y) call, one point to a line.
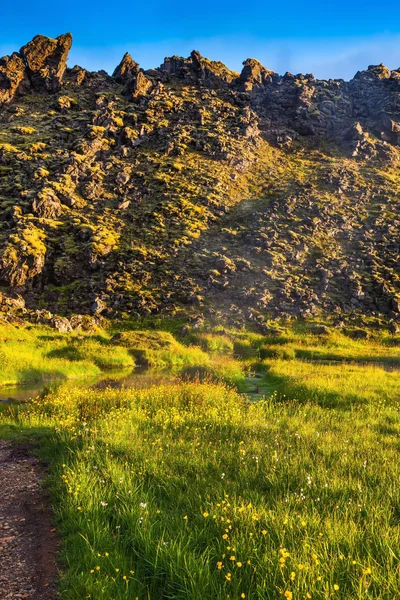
point(28, 542)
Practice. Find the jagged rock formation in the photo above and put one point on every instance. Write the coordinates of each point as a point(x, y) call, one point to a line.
point(13, 77)
point(190, 185)
point(126, 70)
point(39, 66)
point(46, 61)
point(129, 73)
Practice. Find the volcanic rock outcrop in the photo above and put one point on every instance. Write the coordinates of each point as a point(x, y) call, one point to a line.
point(39, 66)
point(190, 185)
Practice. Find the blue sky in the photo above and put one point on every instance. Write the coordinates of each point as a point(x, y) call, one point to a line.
point(331, 39)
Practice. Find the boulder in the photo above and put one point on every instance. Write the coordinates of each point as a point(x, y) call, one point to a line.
point(47, 204)
point(138, 86)
point(395, 304)
point(129, 73)
point(212, 73)
point(61, 324)
point(254, 74)
point(98, 306)
point(355, 132)
point(46, 61)
point(388, 129)
point(77, 75)
point(319, 330)
point(13, 77)
point(373, 72)
point(173, 65)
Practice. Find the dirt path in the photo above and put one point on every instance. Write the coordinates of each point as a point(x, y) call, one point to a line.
point(28, 543)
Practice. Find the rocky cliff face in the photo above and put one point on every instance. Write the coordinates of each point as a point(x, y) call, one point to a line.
point(190, 185)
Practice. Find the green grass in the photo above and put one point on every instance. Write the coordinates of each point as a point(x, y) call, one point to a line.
point(189, 490)
point(37, 353)
point(162, 485)
point(334, 385)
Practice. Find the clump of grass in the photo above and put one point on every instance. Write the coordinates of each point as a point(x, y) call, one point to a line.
point(214, 343)
point(272, 351)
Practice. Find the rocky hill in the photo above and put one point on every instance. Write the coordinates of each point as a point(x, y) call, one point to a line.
point(189, 185)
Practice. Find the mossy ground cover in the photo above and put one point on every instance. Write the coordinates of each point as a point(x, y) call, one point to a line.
point(191, 490)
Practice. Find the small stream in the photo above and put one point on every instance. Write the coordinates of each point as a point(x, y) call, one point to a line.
point(142, 377)
point(139, 378)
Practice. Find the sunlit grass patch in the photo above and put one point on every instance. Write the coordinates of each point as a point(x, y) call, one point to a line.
point(38, 353)
point(189, 491)
point(332, 385)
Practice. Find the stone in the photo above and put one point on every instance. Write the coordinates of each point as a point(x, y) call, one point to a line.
point(129, 73)
point(373, 72)
point(47, 204)
point(46, 61)
point(254, 74)
point(126, 70)
point(395, 304)
point(77, 75)
point(355, 132)
point(13, 78)
point(358, 334)
point(394, 327)
point(138, 86)
point(61, 324)
point(320, 330)
point(98, 306)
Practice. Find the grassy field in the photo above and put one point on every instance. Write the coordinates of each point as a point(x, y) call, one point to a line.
point(38, 353)
point(193, 491)
point(35, 353)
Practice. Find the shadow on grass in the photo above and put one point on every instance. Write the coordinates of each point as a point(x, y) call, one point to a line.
point(20, 433)
point(328, 356)
point(69, 352)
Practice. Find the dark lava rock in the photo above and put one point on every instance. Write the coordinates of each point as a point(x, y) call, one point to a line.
point(126, 70)
point(46, 61)
point(13, 78)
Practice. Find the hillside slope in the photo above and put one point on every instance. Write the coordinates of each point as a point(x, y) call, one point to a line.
point(248, 194)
